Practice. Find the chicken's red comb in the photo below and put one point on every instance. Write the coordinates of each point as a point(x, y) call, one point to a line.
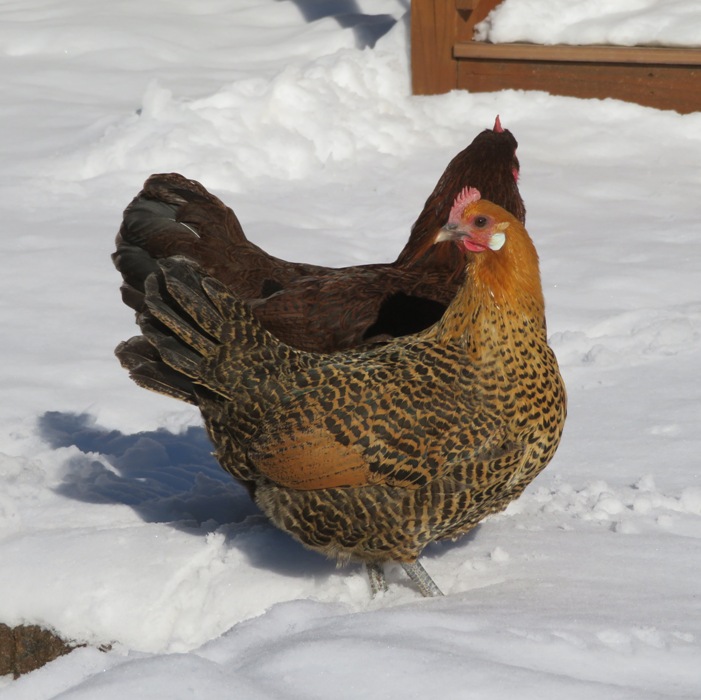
point(468, 195)
point(498, 128)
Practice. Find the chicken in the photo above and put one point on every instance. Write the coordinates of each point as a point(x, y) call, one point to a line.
point(306, 306)
point(371, 454)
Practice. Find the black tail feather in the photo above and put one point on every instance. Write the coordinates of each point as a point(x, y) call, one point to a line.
point(198, 338)
point(148, 370)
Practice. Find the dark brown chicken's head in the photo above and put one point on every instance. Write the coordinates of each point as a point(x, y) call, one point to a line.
point(489, 164)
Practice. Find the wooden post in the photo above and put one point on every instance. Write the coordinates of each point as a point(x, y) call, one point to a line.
point(433, 68)
point(436, 25)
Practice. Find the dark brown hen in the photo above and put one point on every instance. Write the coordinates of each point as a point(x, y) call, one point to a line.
point(371, 454)
point(307, 306)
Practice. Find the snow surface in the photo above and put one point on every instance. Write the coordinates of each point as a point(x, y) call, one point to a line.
point(622, 22)
point(116, 527)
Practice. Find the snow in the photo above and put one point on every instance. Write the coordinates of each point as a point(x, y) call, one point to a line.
point(623, 22)
point(116, 526)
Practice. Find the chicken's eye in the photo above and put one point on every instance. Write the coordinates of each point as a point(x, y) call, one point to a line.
point(480, 221)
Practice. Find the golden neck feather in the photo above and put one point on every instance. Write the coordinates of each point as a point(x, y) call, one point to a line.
point(498, 284)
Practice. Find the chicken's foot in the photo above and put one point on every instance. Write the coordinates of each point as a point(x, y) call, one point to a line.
point(423, 581)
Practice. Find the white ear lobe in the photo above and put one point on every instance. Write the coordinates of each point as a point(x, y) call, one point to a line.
point(497, 240)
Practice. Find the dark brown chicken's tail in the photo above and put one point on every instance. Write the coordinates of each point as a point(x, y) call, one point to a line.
point(198, 338)
point(175, 216)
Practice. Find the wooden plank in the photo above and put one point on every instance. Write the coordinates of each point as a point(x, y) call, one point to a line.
point(660, 86)
point(579, 54)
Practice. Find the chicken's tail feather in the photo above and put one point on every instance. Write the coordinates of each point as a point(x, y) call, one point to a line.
point(147, 369)
point(197, 336)
point(173, 215)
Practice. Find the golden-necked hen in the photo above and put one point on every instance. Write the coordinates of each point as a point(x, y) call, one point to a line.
point(371, 454)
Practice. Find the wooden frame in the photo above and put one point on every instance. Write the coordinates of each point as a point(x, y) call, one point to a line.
point(445, 57)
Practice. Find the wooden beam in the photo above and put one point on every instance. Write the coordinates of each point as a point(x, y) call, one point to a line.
point(651, 55)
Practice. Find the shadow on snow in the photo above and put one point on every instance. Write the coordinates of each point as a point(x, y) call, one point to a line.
point(174, 479)
point(368, 29)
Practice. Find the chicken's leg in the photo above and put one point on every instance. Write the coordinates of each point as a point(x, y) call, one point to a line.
point(376, 574)
point(416, 573)
point(423, 581)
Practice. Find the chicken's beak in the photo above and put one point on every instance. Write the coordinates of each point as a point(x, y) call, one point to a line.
point(448, 233)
